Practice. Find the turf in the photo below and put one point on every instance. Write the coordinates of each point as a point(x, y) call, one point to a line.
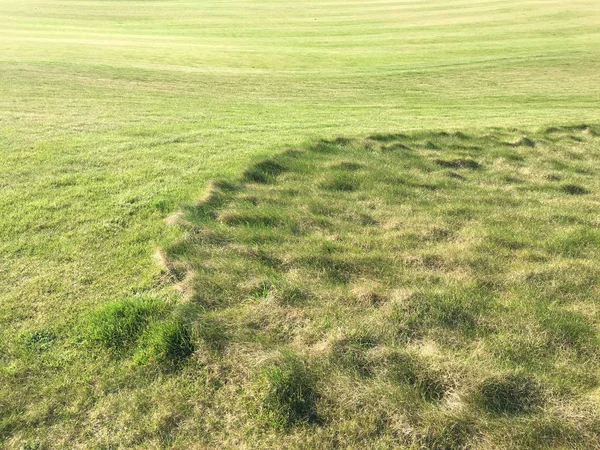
point(115, 114)
point(420, 290)
point(428, 290)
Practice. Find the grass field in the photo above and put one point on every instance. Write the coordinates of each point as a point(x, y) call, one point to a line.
point(114, 115)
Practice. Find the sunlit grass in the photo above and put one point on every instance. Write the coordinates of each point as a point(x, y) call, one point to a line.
point(114, 115)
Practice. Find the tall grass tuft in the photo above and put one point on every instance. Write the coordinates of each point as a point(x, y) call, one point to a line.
point(118, 324)
point(287, 395)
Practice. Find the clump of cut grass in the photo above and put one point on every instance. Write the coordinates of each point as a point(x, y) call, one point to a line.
point(568, 331)
point(389, 137)
point(259, 288)
point(367, 296)
point(290, 294)
point(351, 353)
point(511, 393)
point(216, 192)
point(461, 135)
point(395, 146)
point(214, 197)
point(336, 269)
point(286, 394)
point(424, 312)
point(456, 176)
point(524, 142)
point(340, 140)
point(348, 165)
point(341, 183)
point(575, 243)
point(459, 163)
point(449, 433)
point(264, 172)
point(251, 219)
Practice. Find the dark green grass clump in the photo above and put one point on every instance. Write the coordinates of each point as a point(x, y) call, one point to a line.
point(118, 324)
point(143, 326)
point(287, 394)
point(167, 343)
point(513, 393)
point(264, 171)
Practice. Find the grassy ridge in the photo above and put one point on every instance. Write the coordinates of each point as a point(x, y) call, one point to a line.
point(422, 290)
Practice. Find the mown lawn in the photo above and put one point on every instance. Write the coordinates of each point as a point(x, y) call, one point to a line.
point(114, 115)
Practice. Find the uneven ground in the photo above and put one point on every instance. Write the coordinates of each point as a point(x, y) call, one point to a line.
point(113, 115)
point(429, 290)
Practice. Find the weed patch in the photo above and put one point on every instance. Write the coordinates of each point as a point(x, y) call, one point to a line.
point(40, 340)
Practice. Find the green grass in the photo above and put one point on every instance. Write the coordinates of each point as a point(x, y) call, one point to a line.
point(446, 300)
point(117, 325)
point(113, 116)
